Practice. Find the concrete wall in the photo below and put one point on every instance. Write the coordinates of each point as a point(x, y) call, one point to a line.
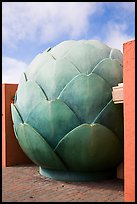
point(129, 120)
point(12, 154)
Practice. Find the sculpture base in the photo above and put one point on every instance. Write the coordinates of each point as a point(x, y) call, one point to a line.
point(77, 176)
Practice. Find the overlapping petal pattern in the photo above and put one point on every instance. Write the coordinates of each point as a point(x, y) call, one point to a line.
point(63, 114)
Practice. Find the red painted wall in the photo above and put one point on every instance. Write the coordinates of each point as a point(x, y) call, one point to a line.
point(12, 154)
point(129, 120)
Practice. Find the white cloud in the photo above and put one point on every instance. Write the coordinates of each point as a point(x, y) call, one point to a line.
point(12, 70)
point(116, 35)
point(41, 22)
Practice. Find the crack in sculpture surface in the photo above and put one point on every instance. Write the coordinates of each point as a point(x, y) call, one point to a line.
point(63, 114)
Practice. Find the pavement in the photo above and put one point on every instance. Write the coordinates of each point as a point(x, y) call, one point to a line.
point(25, 184)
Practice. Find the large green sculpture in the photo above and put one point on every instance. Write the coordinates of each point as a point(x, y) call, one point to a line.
point(63, 114)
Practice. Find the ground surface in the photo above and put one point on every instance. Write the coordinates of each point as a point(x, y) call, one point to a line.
point(25, 184)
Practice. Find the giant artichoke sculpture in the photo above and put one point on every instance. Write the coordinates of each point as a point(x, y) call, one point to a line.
point(63, 114)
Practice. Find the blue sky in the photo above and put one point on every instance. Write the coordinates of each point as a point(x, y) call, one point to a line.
point(29, 28)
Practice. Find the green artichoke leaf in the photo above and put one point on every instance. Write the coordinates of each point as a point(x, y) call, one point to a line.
point(85, 56)
point(63, 114)
point(54, 76)
point(110, 70)
point(90, 148)
point(112, 117)
point(37, 149)
point(39, 61)
point(99, 45)
point(21, 84)
point(53, 120)
point(28, 95)
point(16, 117)
point(60, 50)
point(23, 79)
point(116, 54)
point(88, 100)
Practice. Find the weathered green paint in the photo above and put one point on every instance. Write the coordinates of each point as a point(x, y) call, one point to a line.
point(39, 61)
point(16, 116)
point(98, 148)
point(85, 56)
point(79, 175)
point(37, 148)
point(53, 120)
point(83, 101)
point(63, 114)
point(105, 68)
point(116, 54)
point(52, 77)
point(112, 117)
point(28, 96)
